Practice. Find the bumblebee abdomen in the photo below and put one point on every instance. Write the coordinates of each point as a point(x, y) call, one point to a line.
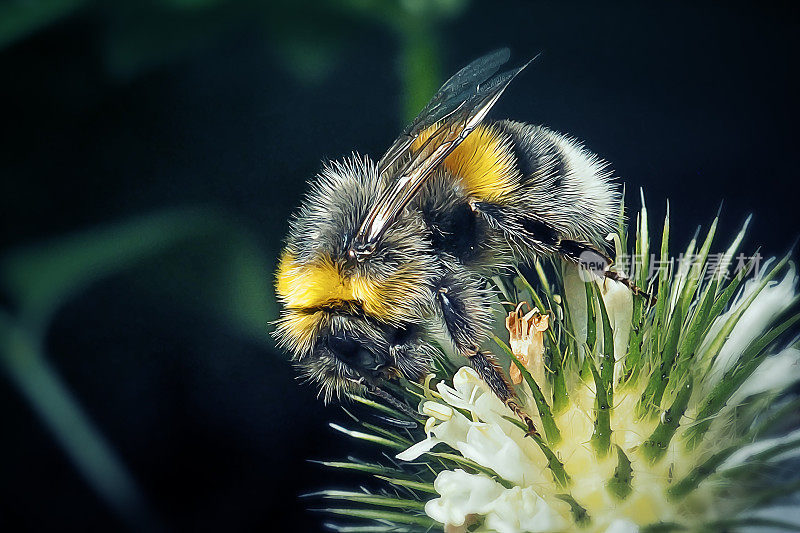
point(562, 184)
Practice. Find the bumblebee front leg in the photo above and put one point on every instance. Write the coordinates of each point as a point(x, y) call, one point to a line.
point(467, 315)
point(485, 364)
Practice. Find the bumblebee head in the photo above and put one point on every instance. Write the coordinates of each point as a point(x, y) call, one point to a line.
point(344, 320)
point(350, 352)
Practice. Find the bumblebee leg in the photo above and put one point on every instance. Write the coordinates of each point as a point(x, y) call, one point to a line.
point(485, 364)
point(531, 236)
point(599, 264)
point(466, 312)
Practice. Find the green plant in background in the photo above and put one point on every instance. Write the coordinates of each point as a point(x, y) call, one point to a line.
point(230, 284)
point(307, 37)
point(664, 417)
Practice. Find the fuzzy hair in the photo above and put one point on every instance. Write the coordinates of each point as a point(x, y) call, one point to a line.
point(563, 183)
point(464, 307)
point(408, 349)
point(441, 197)
point(560, 184)
point(402, 268)
point(403, 265)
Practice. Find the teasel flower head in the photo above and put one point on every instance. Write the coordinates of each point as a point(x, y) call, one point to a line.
point(671, 414)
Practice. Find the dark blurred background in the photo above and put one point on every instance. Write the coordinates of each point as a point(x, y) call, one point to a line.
point(153, 151)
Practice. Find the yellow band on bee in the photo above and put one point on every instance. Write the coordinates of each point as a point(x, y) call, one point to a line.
point(321, 283)
point(311, 285)
point(484, 162)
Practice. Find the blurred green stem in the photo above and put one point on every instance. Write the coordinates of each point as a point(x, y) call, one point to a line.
point(22, 358)
point(18, 19)
point(41, 278)
point(419, 67)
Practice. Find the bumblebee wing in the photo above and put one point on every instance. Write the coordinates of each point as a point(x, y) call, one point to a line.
point(455, 91)
point(459, 106)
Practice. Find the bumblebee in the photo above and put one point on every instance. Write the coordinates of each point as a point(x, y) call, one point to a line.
point(381, 256)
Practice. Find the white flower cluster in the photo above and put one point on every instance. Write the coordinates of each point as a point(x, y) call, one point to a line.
point(505, 510)
point(486, 437)
point(491, 441)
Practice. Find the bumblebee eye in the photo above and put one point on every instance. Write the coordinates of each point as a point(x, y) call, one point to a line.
point(350, 352)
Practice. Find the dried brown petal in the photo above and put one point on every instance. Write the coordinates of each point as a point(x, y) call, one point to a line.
point(526, 337)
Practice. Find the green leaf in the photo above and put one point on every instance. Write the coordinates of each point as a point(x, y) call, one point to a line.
point(374, 528)
point(377, 514)
point(23, 361)
point(369, 437)
point(470, 464)
point(370, 499)
point(500, 285)
point(230, 280)
point(601, 437)
point(378, 406)
point(390, 435)
point(755, 463)
point(709, 466)
point(664, 275)
point(604, 381)
point(622, 227)
point(419, 68)
point(359, 467)
point(683, 270)
point(591, 319)
point(607, 360)
point(634, 356)
point(560, 394)
point(695, 272)
point(18, 19)
point(709, 355)
point(40, 277)
point(642, 249)
point(545, 284)
point(723, 297)
point(733, 248)
point(650, 401)
point(415, 485)
point(699, 473)
point(786, 412)
point(710, 306)
point(701, 319)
